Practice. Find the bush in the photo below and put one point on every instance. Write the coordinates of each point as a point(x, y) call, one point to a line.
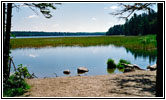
point(122, 61)
point(111, 63)
point(16, 84)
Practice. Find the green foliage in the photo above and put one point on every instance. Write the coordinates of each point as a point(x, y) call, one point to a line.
point(23, 72)
point(148, 40)
point(12, 35)
point(126, 41)
point(138, 25)
point(16, 84)
point(45, 8)
point(111, 63)
point(122, 61)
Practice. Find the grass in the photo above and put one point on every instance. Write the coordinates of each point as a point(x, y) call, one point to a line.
point(111, 63)
point(135, 42)
point(122, 61)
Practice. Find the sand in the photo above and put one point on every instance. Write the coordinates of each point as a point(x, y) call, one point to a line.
point(132, 84)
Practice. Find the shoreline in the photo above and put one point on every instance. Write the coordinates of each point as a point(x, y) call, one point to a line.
point(132, 84)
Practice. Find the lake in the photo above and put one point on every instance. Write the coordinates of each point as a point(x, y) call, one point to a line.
point(44, 62)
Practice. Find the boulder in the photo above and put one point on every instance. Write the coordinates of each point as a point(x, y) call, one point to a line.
point(137, 67)
point(66, 72)
point(127, 65)
point(152, 68)
point(82, 70)
point(131, 67)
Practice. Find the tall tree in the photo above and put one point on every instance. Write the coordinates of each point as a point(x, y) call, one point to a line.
point(159, 79)
point(142, 24)
point(44, 9)
point(7, 42)
point(147, 7)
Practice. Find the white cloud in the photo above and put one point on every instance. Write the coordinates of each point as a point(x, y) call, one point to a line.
point(32, 55)
point(94, 18)
point(113, 7)
point(32, 16)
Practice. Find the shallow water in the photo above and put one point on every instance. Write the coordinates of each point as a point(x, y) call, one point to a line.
point(44, 62)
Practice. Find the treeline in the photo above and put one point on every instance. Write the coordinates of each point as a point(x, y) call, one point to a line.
point(142, 24)
point(36, 33)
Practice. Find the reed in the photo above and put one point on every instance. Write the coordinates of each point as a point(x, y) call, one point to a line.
point(135, 42)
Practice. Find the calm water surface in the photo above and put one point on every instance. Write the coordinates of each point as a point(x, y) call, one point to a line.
point(44, 62)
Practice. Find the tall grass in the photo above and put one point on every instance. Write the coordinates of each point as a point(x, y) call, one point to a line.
point(111, 63)
point(134, 42)
point(121, 62)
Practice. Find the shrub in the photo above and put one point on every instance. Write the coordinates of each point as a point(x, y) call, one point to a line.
point(122, 61)
point(111, 63)
point(16, 84)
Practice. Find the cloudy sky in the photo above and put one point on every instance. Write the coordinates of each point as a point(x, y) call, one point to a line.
point(69, 17)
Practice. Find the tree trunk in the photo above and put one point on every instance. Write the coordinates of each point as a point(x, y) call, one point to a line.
point(7, 43)
point(4, 27)
point(159, 78)
point(4, 24)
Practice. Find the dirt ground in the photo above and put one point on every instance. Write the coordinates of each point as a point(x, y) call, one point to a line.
point(133, 84)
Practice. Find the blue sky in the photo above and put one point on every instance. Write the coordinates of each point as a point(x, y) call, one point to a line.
point(69, 17)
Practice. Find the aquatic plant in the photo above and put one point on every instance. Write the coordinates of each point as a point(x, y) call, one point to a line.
point(121, 62)
point(111, 63)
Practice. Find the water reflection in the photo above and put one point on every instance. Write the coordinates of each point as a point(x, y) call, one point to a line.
point(121, 69)
point(111, 70)
point(114, 70)
point(49, 60)
point(151, 55)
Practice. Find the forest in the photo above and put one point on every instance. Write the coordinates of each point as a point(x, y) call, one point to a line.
point(37, 33)
point(142, 24)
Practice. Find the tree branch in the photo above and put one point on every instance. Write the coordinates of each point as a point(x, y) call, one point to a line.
point(132, 8)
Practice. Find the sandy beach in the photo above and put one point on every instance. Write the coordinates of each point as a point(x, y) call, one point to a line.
point(133, 84)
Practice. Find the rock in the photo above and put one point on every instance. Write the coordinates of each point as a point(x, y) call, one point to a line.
point(66, 72)
point(137, 67)
point(131, 67)
point(82, 70)
point(152, 68)
point(127, 65)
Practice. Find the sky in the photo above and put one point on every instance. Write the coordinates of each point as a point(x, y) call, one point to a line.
point(68, 17)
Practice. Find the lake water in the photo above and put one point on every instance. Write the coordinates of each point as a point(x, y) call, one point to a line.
point(44, 62)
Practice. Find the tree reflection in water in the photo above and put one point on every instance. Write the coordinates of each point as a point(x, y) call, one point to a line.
point(151, 54)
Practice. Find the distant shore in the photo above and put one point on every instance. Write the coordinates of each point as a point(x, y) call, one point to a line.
point(132, 84)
